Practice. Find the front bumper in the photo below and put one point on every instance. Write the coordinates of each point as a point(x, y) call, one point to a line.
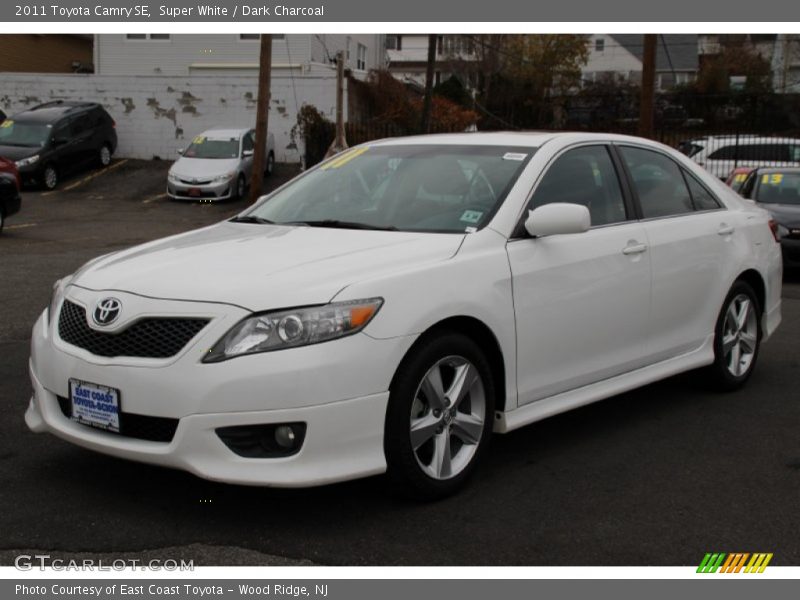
point(210, 191)
point(339, 389)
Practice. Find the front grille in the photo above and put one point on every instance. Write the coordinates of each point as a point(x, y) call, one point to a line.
point(191, 182)
point(147, 338)
point(140, 427)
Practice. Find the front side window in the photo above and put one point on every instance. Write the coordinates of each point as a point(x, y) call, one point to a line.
point(437, 188)
point(658, 182)
point(206, 147)
point(584, 176)
point(247, 142)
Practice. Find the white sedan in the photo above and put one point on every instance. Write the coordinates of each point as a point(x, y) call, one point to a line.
point(390, 309)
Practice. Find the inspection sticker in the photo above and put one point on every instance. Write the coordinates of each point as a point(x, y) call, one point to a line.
point(471, 216)
point(514, 156)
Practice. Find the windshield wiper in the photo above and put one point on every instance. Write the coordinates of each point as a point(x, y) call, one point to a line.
point(252, 219)
point(336, 224)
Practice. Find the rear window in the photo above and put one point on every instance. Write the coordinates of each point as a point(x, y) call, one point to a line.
point(779, 188)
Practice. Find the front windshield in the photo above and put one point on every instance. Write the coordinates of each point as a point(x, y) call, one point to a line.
point(206, 147)
point(15, 133)
point(779, 188)
point(443, 188)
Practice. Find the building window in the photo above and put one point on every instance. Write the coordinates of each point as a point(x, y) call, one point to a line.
point(599, 45)
point(145, 36)
point(254, 37)
point(361, 58)
point(394, 42)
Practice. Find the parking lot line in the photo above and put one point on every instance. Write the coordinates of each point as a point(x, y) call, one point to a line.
point(154, 198)
point(88, 178)
point(21, 226)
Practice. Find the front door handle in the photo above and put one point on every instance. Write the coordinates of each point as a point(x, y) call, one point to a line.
point(725, 229)
point(634, 249)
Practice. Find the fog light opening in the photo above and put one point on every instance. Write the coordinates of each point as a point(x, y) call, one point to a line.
point(285, 436)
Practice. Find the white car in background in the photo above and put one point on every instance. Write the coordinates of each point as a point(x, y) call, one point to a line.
point(217, 165)
point(720, 155)
point(392, 307)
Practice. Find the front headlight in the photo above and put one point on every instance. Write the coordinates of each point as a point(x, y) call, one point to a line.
point(172, 177)
point(292, 328)
point(27, 162)
point(225, 177)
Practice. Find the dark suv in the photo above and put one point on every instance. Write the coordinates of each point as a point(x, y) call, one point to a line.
point(56, 138)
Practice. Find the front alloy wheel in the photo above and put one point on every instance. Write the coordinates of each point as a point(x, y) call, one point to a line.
point(439, 417)
point(50, 177)
point(105, 156)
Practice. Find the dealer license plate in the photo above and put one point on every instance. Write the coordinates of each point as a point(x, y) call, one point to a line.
point(94, 405)
point(194, 191)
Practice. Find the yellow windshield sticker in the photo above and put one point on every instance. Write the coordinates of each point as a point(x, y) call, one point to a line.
point(740, 177)
point(6, 124)
point(345, 158)
point(772, 179)
point(198, 140)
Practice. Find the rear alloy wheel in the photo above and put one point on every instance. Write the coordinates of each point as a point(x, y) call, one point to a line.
point(737, 338)
point(50, 177)
point(105, 155)
point(439, 418)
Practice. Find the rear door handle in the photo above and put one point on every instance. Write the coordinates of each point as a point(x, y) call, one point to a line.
point(725, 229)
point(634, 249)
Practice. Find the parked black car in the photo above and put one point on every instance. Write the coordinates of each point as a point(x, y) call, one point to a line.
point(9, 190)
point(56, 138)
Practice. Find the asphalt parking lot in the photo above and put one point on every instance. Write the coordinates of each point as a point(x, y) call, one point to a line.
point(658, 476)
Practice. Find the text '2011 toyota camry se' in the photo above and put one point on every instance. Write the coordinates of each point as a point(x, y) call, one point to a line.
point(389, 309)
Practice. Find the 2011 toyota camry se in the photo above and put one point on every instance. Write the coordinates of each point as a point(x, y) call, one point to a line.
point(389, 309)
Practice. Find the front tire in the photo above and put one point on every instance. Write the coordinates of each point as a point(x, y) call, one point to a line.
point(241, 187)
point(737, 339)
point(270, 168)
point(104, 156)
point(50, 177)
point(439, 418)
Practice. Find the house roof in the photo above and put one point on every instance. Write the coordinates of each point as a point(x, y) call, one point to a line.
point(678, 52)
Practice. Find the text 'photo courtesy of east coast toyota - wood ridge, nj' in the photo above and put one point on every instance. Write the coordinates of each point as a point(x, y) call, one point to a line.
point(313, 288)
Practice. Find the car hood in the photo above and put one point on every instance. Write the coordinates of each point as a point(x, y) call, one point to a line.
point(260, 267)
point(787, 215)
point(203, 167)
point(18, 152)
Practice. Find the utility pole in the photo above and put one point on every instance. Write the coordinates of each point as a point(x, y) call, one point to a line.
point(647, 101)
point(339, 142)
point(262, 116)
point(425, 125)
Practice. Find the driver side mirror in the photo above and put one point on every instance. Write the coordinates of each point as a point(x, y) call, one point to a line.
point(558, 218)
point(247, 153)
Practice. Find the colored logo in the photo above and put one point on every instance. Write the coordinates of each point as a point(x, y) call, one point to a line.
point(106, 311)
point(735, 562)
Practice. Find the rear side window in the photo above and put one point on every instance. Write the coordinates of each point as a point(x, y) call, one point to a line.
point(584, 176)
point(755, 153)
point(658, 182)
point(724, 153)
point(703, 199)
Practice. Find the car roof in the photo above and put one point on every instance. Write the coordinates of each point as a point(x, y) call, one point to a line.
point(225, 132)
point(533, 139)
point(53, 111)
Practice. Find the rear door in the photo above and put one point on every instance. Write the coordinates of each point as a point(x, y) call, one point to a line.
point(688, 232)
point(581, 301)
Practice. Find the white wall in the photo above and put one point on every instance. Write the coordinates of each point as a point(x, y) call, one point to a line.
point(156, 115)
point(117, 55)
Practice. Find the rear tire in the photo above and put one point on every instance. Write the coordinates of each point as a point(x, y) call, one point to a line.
point(104, 156)
point(737, 339)
point(440, 415)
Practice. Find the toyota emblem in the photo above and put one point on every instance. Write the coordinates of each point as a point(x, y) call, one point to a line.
point(106, 311)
